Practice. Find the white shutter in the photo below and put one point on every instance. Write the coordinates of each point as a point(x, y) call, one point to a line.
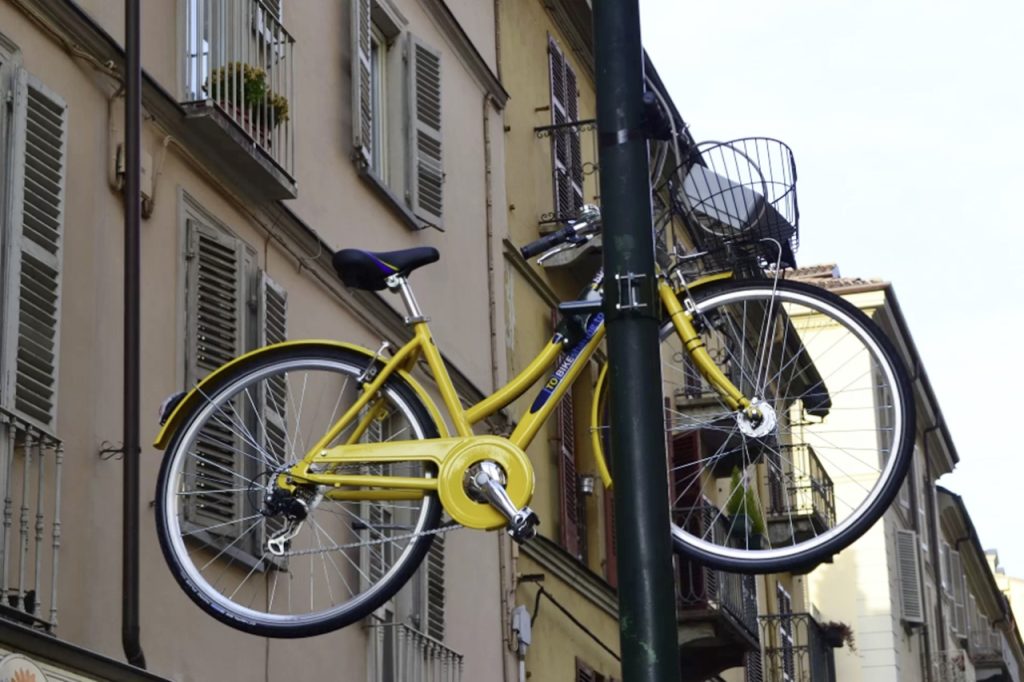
point(959, 590)
point(425, 161)
point(909, 573)
point(34, 253)
point(944, 580)
point(362, 87)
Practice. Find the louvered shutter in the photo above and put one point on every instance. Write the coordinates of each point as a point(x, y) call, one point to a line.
point(908, 564)
point(572, 112)
point(272, 6)
point(272, 326)
point(373, 558)
point(35, 252)
point(567, 479)
point(215, 334)
point(944, 581)
point(425, 161)
point(571, 523)
point(362, 87)
point(584, 673)
point(959, 590)
point(434, 589)
point(566, 155)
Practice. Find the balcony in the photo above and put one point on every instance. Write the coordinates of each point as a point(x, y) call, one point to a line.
point(399, 653)
point(30, 474)
point(716, 611)
point(801, 496)
point(795, 649)
point(239, 91)
point(985, 649)
point(950, 666)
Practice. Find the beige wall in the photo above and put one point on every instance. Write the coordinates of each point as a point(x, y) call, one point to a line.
point(179, 641)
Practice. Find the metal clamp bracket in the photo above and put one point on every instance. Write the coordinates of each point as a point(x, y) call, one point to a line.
point(629, 289)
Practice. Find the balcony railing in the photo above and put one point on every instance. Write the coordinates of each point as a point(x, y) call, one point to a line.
point(400, 653)
point(950, 666)
point(239, 59)
point(799, 486)
point(700, 588)
point(30, 476)
point(795, 649)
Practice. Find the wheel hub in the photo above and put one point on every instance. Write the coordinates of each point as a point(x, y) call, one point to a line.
point(759, 421)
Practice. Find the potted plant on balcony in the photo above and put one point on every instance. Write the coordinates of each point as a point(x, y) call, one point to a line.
point(241, 90)
point(836, 634)
point(746, 524)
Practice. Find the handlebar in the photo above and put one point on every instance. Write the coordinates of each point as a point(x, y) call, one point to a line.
point(548, 241)
point(589, 221)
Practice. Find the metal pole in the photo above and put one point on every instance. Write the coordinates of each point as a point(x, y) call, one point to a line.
point(647, 620)
point(132, 219)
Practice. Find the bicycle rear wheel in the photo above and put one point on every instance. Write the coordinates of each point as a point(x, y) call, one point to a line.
point(830, 450)
point(288, 564)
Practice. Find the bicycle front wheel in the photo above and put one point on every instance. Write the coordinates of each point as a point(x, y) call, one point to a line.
point(827, 449)
point(283, 563)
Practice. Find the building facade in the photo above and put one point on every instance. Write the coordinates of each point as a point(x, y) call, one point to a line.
point(372, 123)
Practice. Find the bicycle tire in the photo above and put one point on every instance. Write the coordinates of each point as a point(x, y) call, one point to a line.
point(216, 512)
point(840, 397)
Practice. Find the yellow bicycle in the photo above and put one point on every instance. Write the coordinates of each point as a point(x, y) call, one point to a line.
point(304, 482)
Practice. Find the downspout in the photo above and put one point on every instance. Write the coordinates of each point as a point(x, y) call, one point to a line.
point(504, 551)
point(132, 294)
point(933, 539)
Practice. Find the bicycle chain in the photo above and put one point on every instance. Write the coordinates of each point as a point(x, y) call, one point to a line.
point(353, 545)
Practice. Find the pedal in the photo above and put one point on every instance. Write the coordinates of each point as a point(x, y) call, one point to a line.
point(485, 482)
point(524, 526)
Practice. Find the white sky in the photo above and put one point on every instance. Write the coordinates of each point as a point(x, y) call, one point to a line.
point(906, 119)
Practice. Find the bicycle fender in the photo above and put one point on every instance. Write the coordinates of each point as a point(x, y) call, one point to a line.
point(193, 396)
point(599, 388)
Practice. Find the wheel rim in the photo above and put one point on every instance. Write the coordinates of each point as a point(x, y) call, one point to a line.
point(345, 559)
point(817, 482)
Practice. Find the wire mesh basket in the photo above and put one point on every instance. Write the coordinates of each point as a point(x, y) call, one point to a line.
point(739, 199)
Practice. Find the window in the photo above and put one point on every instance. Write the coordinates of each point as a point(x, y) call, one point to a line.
point(231, 307)
point(785, 606)
point(584, 673)
point(566, 156)
point(418, 606)
point(396, 112)
point(34, 128)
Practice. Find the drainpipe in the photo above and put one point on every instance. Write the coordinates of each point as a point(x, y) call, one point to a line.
point(933, 539)
point(504, 551)
point(132, 219)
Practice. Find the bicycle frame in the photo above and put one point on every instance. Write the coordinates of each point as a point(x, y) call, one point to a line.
point(311, 468)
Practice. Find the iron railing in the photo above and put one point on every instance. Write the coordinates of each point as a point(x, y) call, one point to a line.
point(31, 462)
point(699, 587)
point(800, 486)
point(950, 666)
point(239, 57)
point(795, 649)
point(399, 653)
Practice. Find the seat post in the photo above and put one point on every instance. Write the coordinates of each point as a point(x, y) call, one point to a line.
point(401, 285)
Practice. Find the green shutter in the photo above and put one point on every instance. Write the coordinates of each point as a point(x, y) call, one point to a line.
point(33, 261)
point(425, 164)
